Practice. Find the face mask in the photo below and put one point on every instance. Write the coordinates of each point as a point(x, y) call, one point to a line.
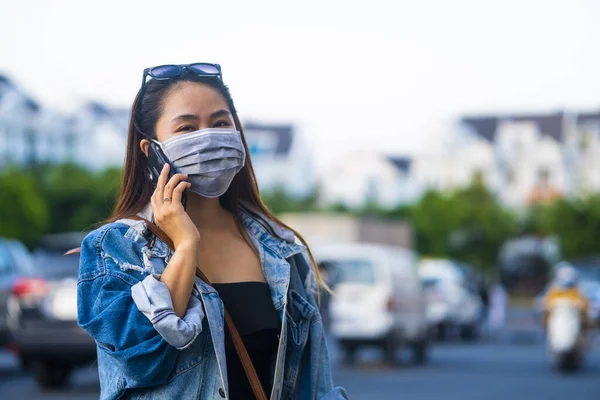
point(210, 157)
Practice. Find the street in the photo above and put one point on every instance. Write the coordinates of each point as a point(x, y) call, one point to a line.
point(479, 371)
point(512, 369)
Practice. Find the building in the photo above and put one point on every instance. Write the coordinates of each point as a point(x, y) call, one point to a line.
point(369, 177)
point(17, 124)
point(320, 229)
point(540, 157)
point(94, 136)
point(522, 158)
point(462, 157)
point(280, 159)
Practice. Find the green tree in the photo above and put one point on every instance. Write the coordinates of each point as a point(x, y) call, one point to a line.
point(576, 222)
point(467, 224)
point(78, 199)
point(483, 227)
point(23, 211)
point(279, 201)
point(434, 218)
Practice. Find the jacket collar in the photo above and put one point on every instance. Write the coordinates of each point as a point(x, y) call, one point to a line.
point(270, 234)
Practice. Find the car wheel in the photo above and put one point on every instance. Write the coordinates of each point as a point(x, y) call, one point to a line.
point(349, 354)
point(420, 351)
point(25, 362)
point(50, 376)
point(441, 333)
point(390, 348)
point(468, 333)
point(568, 362)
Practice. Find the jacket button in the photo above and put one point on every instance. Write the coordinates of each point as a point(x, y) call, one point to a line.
point(221, 392)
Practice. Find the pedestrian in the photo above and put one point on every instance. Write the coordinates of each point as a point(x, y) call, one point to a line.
point(498, 307)
point(484, 295)
point(194, 289)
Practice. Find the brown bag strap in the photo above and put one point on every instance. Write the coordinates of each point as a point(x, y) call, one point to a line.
point(238, 343)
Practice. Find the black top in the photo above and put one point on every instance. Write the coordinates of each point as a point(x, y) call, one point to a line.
point(251, 309)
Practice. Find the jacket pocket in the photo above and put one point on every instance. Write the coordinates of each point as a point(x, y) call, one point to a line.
point(299, 316)
point(299, 313)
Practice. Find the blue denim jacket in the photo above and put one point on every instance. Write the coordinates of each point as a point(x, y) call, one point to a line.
point(146, 352)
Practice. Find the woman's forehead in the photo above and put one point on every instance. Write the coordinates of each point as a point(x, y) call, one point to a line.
point(193, 97)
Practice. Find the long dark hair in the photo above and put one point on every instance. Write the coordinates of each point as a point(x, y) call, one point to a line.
point(136, 188)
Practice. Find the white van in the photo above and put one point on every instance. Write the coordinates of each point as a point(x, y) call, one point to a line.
point(377, 298)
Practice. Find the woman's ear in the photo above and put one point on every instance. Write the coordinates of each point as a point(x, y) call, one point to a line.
point(144, 146)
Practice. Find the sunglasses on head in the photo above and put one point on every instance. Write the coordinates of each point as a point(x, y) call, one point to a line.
point(166, 72)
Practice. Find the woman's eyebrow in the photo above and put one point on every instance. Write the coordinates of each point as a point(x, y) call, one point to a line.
point(186, 117)
point(220, 113)
point(194, 117)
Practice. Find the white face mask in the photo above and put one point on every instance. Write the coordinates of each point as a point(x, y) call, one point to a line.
point(210, 157)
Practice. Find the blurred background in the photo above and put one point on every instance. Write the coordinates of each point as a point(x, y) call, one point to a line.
point(455, 143)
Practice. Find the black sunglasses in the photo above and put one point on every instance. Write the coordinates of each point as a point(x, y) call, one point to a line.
point(166, 72)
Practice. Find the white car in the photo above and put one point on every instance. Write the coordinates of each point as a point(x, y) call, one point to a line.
point(377, 298)
point(451, 301)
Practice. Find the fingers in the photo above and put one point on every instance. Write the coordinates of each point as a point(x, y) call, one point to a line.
point(178, 191)
point(162, 181)
point(173, 182)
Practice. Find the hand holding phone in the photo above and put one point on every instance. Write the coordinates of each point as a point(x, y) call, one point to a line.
point(168, 213)
point(156, 162)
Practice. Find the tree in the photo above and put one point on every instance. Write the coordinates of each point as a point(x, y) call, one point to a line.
point(576, 222)
point(23, 214)
point(434, 218)
point(280, 201)
point(467, 224)
point(483, 227)
point(78, 199)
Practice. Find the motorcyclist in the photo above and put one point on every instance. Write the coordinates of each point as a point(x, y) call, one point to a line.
point(565, 287)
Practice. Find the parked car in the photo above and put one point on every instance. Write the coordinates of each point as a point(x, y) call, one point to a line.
point(378, 298)
point(453, 302)
point(42, 314)
point(15, 260)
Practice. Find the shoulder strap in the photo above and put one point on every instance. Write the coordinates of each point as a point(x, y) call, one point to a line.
point(238, 343)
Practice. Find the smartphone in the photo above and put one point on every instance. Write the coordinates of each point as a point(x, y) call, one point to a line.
point(156, 162)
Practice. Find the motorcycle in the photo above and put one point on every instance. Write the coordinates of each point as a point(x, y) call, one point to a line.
point(566, 336)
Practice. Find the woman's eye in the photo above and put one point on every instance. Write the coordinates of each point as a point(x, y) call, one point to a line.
point(220, 124)
point(185, 128)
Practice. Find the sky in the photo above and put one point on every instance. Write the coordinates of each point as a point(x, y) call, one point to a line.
point(389, 76)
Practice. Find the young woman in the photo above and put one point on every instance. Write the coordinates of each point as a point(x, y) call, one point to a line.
point(159, 327)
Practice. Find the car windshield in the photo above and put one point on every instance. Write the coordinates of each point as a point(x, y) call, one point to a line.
point(15, 253)
point(350, 271)
point(430, 282)
point(21, 254)
point(55, 265)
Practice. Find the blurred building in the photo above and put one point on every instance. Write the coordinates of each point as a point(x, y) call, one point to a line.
point(94, 136)
point(461, 157)
point(369, 177)
point(17, 124)
point(322, 228)
point(539, 157)
point(522, 158)
point(280, 159)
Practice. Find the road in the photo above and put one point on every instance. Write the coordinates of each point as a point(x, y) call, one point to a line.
point(507, 370)
point(481, 371)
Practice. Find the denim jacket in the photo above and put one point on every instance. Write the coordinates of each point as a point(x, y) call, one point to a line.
point(146, 352)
